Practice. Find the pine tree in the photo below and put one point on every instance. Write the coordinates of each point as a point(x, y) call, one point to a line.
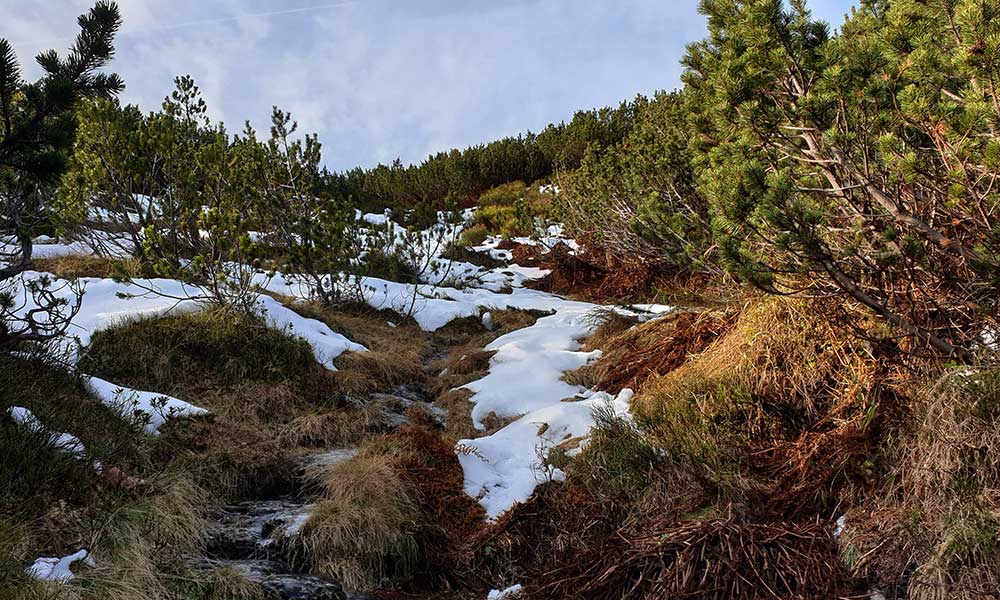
point(637, 199)
point(37, 124)
point(835, 165)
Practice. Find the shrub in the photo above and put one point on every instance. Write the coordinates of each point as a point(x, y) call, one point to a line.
point(503, 195)
point(474, 235)
point(36, 139)
point(637, 198)
point(838, 165)
point(389, 265)
point(199, 189)
point(509, 221)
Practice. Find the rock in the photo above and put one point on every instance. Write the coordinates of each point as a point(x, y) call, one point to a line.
point(329, 458)
point(394, 407)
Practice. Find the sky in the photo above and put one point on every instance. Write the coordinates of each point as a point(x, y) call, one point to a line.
point(381, 79)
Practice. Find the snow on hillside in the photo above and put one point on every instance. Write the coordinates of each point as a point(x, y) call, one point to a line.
point(524, 381)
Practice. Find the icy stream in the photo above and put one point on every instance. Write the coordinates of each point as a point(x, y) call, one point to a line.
point(253, 538)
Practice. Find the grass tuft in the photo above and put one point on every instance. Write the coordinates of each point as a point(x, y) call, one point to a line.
point(618, 461)
point(362, 532)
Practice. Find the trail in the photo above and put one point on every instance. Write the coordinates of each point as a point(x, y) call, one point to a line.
point(523, 387)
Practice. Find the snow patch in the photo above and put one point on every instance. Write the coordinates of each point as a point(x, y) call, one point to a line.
point(64, 442)
point(152, 408)
point(504, 468)
point(59, 569)
point(526, 371)
point(509, 593)
point(327, 344)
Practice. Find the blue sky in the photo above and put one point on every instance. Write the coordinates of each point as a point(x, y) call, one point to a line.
point(380, 79)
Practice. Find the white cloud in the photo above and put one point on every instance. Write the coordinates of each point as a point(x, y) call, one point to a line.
point(379, 79)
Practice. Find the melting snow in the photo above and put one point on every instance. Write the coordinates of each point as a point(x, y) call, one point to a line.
point(326, 343)
point(153, 408)
point(58, 569)
point(504, 468)
point(63, 442)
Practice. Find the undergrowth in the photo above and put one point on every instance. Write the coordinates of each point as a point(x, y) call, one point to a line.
point(930, 531)
point(751, 426)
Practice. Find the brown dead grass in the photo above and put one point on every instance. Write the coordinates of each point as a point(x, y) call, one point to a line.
point(396, 510)
point(458, 411)
point(611, 324)
point(525, 254)
point(557, 523)
point(781, 411)
point(715, 558)
point(777, 348)
point(346, 426)
point(362, 532)
point(631, 357)
point(931, 530)
point(600, 277)
point(566, 543)
point(427, 461)
point(395, 354)
point(269, 400)
point(71, 267)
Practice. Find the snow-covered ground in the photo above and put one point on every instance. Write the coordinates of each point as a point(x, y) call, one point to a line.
point(154, 409)
point(504, 468)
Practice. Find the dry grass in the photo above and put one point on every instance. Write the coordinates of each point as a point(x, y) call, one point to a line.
point(395, 514)
point(343, 427)
point(139, 546)
point(931, 531)
point(449, 517)
point(780, 412)
point(362, 532)
point(749, 425)
point(258, 394)
point(779, 348)
point(71, 267)
point(714, 558)
point(610, 325)
point(395, 356)
point(633, 356)
point(458, 409)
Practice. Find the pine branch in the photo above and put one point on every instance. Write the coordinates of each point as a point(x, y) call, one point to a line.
point(10, 80)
